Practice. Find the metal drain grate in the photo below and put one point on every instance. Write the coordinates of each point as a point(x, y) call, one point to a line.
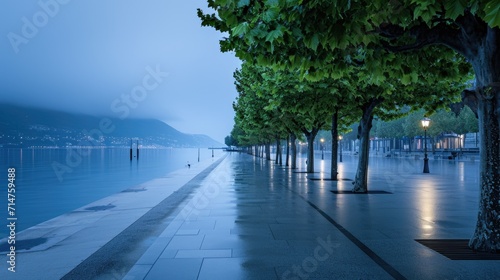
point(369, 192)
point(457, 249)
point(328, 179)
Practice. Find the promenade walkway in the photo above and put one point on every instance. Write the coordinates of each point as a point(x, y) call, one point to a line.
point(103, 239)
point(251, 219)
point(242, 217)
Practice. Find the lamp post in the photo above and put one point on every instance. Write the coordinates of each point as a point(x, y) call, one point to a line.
point(425, 124)
point(322, 149)
point(340, 148)
point(460, 144)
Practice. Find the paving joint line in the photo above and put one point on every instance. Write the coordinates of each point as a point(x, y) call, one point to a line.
point(369, 252)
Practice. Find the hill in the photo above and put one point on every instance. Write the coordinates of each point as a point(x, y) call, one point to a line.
point(33, 127)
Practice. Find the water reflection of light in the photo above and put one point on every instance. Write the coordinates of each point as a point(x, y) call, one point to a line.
point(427, 227)
point(306, 186)
point(426, 199)
point(271, 176)
point(21, 157)
point(340, 170)
point(321, 188)
point(461, 171)
point(322, 169)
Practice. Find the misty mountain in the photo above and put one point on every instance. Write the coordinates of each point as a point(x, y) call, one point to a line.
point(32, 127)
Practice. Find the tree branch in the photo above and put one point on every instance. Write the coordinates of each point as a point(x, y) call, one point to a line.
point(441, 34)
point(470, 99)
point(405, 48)
point(305, 131)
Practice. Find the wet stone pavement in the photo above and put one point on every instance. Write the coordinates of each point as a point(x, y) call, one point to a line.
point(252, 219)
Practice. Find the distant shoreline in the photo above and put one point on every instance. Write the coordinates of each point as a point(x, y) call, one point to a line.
point(108, 147)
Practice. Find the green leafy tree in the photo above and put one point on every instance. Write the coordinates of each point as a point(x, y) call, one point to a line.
point(442, 121)
point(259, 126)
point(468, 123)
point(300, 105)
point(236, 137)
point(390, 129)
point(287, 32)
point(290, 34)
point(230, 141)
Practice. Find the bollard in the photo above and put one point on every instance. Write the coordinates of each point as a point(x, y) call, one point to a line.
point(131, 143)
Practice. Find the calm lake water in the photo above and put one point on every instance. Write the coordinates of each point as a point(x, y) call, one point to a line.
point(51, 182)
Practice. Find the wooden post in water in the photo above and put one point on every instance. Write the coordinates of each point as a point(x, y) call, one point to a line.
point(137, 149)
point(198, 154)
point(131, 143)
point(212, 152)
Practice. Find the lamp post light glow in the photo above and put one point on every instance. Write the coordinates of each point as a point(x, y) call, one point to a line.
point(340, 148)
point(322, 149)
point(425, 124)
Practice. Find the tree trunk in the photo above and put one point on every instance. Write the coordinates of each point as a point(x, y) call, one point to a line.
point(287, 160)
point(278, 150)
point(487, 234)
point(479, 44)
point(310, 152)
point(485, 59)
point(281, 153)
point(310, 148)
point(335, 146)
point(365, 125)
point(462, 145)
point(293, 140)
point(268, 151)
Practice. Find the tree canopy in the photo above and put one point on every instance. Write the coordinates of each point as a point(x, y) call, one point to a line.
point(419, 42)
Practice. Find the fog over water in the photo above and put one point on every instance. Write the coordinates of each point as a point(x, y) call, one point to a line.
point(125, 59)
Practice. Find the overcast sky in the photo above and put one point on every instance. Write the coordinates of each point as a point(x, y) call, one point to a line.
point(126, 58)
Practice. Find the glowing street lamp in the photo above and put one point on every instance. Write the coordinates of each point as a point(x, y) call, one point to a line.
point(425, 124)
point(322, 149)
